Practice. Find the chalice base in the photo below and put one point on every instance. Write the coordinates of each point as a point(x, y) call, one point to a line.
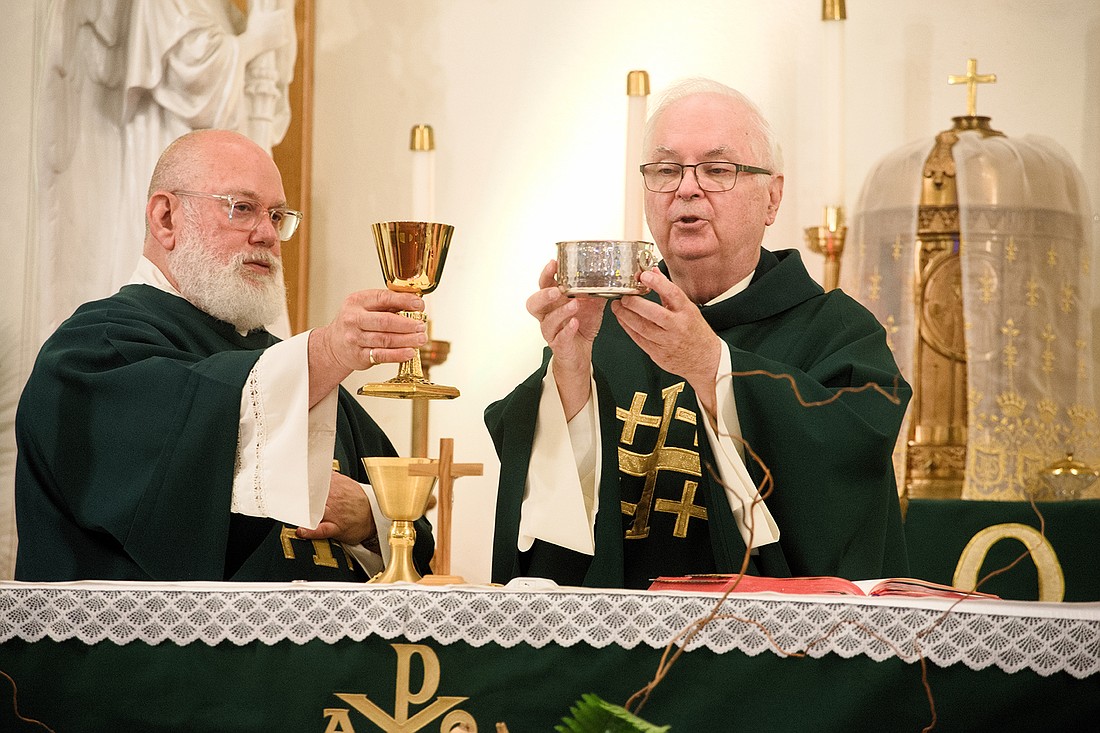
point(409, 388)
point(410, 382)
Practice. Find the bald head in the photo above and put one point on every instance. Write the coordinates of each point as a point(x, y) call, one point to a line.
point(215, 163)
point(195, 154)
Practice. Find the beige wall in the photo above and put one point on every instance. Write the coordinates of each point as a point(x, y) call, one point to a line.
point(17, 61)
point(527, 99)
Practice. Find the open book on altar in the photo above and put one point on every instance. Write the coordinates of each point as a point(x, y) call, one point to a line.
point(821, 585)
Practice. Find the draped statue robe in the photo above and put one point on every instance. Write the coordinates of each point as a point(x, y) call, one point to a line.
point(121, 79)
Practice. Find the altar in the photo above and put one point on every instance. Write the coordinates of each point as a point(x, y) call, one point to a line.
point(93, 656)
point(939, 533)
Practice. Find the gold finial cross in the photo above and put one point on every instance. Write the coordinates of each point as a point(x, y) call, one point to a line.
point(972, 79)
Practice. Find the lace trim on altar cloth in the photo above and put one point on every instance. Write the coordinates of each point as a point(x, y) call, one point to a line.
point(1044, 638)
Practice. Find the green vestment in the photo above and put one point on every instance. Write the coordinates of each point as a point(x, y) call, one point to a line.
point(661, 509)
point(127, 436)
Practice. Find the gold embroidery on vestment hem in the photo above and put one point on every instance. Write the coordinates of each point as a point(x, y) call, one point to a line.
point(322, 549)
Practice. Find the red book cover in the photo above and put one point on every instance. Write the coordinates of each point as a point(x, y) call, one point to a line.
point(813, 585)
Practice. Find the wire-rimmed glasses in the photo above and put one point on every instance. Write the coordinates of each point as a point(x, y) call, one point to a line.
point(246, 214)
point(712, 176)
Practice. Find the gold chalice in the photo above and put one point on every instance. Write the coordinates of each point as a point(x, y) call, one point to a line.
point(412, 254)
point(403, 498)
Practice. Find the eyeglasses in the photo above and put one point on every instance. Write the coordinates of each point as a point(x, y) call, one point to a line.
point(245, 214)
point(712, 176)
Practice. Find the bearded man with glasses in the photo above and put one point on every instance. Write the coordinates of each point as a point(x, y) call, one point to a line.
point(165, 434)
point(638, 449)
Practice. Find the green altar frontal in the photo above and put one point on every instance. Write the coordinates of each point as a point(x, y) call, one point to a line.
point(325, 658)
point(992, 535)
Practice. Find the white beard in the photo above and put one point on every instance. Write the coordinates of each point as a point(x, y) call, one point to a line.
point(227, 290)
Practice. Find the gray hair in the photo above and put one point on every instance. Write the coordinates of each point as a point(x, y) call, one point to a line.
point(764, 144)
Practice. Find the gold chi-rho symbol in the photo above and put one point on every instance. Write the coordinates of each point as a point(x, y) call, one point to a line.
point(340, 719)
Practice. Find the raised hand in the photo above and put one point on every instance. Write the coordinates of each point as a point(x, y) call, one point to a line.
point(569, 326)
point(368, 330)
point(674, 334)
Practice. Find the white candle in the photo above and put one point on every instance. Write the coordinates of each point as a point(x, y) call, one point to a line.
point(422, 145)
point(832, 113)
point(637, 90)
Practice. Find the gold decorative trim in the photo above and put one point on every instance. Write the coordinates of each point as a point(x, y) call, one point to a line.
point(1052, 582)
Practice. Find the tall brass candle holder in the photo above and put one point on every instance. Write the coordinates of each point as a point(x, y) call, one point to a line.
point(412, 255)
point(828, 240)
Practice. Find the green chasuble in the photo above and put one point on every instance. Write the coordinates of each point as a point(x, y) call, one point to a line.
point(662, 510)
point(127, 436)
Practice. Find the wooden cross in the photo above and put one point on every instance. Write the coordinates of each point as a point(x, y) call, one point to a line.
point(972, 79)
point(446, 471)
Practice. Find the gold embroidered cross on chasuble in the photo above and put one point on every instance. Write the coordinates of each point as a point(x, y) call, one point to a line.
point(662, 458)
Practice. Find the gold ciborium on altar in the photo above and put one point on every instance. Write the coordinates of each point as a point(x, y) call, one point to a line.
point(412, 254)
point(403, 498)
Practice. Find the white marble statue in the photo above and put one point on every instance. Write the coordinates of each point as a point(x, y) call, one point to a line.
point(121, 79)
point(117, 80)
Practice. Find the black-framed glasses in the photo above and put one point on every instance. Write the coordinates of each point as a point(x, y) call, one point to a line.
point(712, 176)
point(245, 214)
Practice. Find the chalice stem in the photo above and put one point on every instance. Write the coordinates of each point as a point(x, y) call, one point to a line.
point(412, 370)
point(400, 568)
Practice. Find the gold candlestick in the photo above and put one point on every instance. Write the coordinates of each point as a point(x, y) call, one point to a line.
point(432, 354)
point(828, 240)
